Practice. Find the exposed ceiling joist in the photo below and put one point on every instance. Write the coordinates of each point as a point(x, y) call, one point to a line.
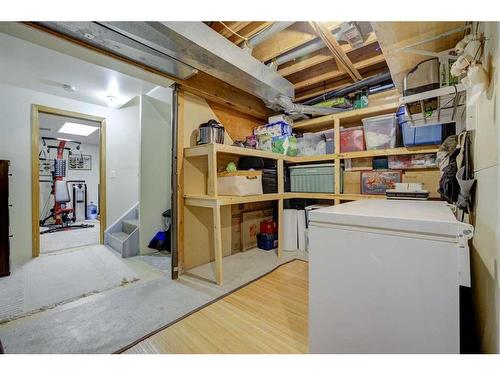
point(290, 38)
point(235, 26)
point(337, 73)
point(337, 83)
point(341, 57)
point(317, 57)
point(249, 31)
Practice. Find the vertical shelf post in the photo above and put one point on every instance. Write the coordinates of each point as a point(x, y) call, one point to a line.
point(212, 171)
point(337, 170)
point(217, 244)
point(281, 190)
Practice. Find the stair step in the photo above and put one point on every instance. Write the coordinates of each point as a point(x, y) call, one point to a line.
point(129, 225)
point(120, 236)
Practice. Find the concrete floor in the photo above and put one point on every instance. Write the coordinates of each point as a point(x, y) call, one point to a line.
point(67, 239)
point(108, 321)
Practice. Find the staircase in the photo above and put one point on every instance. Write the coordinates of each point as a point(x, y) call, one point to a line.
point(123, 235)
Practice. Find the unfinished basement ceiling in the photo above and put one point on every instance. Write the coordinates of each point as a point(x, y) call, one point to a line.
point(316, 71)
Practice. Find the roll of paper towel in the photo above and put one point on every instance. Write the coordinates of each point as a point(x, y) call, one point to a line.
point(290, 230)
point(301, 229)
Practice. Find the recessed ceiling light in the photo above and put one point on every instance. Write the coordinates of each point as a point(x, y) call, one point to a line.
point(77, 129)
point(69, 87)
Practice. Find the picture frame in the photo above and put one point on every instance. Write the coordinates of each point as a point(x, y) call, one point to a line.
point(80, 162)
point(45, 167)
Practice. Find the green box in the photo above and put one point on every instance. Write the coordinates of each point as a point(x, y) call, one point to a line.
point(312, 178)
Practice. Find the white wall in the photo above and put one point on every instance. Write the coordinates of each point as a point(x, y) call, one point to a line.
point(122, 144)
point(485, 253)
point(156, 166)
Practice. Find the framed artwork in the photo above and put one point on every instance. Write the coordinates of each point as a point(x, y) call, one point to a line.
point(80, 162)
point(45, 167)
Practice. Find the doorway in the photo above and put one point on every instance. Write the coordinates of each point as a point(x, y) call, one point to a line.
point(68, 179)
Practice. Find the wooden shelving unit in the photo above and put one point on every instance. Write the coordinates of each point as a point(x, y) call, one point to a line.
point(201, 165)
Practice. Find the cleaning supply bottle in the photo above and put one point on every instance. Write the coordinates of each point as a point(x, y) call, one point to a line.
point(91, 211)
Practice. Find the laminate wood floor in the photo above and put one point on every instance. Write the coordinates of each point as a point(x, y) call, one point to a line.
point(266, 316)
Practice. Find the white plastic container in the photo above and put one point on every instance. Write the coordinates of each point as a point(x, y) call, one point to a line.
point(307, 145)
point(380, 132)
point(239, 183)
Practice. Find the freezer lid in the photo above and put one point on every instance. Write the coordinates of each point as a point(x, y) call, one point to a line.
point(419, 217)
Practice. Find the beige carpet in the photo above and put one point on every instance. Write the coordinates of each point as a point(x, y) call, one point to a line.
point(50, 242)
point(57, 278)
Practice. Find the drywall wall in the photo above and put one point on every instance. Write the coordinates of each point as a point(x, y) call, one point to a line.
point(91, 178)
point(155, 167)
point(122, 164)
point(484, 115)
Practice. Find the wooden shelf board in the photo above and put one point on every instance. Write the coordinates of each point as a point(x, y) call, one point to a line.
point(352, 115)
point(355, 197)
point(202, 150)
point(388, 152)
point(292, 195)
point(313, 158)
point(223, 200)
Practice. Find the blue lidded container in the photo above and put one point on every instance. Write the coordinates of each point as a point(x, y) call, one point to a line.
point(422, 135)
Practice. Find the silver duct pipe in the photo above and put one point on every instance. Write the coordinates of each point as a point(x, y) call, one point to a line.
point(275, 28)
point(302, 51)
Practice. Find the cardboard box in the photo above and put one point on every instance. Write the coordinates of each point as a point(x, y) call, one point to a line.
point(358, 164)
point(250, 226)
point(236, 211)
point(352, 183)
point(430, 180)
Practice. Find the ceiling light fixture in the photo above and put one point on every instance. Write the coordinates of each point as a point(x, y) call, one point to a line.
point(77, 129)
point(68, 87)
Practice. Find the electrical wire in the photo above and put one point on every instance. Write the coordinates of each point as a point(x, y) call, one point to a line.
point(234, 32)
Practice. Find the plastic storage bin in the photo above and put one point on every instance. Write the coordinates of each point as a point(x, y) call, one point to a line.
point(352, 139)
point(425, 135)
point(380, 132)
point(308, 143)
point(312, 178)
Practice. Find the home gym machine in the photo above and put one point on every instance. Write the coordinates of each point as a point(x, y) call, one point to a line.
point(64, 217)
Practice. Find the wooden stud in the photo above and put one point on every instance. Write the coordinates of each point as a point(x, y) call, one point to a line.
point(217, 244)
point(340, 56)
point(102, 182)
point(281, 229)
point(318, 57)
point(180, 179)
point(292, 37)
point(212, 172)
point(337, 170)
point(35, 182)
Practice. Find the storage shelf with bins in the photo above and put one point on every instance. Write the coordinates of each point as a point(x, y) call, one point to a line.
point(200, 169)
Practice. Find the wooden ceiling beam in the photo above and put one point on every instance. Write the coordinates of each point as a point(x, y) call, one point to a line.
point(317, 57)
point(292, 37)
point(338, 83)
point(249, 31)
point(337, 73)
point(235, 26)
point(341, 57)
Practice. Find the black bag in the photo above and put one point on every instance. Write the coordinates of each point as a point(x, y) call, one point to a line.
point(448, 184)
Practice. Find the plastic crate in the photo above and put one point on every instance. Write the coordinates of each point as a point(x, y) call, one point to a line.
point(312, 178)
point(352, 139)
point(380, 132)
point(426, 135)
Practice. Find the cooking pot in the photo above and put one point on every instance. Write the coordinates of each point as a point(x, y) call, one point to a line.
point(210, 132)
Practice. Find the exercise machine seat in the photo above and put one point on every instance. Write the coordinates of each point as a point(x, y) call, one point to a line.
point(61, 192)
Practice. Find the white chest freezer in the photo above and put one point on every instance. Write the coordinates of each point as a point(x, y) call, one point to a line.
point(384, 277)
